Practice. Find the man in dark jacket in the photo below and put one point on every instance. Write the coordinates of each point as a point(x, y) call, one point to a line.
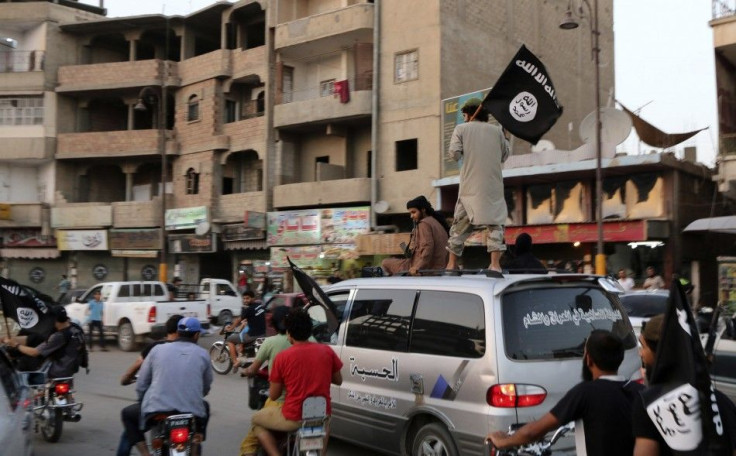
point(525, 261)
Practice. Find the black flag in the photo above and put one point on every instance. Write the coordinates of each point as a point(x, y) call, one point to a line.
point(30, 312)
point(523, 100)
point(681, 400)
point(315, 295)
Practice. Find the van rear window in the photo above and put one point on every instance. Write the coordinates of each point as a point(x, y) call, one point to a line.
point(553, 323)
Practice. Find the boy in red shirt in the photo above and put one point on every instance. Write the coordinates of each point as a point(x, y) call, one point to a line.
point(305, 369)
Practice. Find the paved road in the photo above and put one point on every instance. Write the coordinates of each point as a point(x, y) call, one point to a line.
point(103, 398)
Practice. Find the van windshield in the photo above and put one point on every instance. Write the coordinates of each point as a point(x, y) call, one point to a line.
point(553, 323)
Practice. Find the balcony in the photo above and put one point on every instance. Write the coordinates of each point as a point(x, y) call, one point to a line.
point(24, 215)
point(116, 75)
point(124, 143)
point(215, 64)
point(22, 70)
point(81, 215)
point(136, 214)
point(230, 208)
point(723, 8)
point(308, 107)
point(26, 142)
point(326, 32)
point(247, 134)
point(339, 191)
point(248, 62)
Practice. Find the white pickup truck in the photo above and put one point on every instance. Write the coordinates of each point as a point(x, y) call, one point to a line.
point(131, 309)
point(223, 298)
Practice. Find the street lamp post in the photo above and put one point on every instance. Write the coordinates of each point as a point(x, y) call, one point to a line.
point(148, 97)
point(570, 23)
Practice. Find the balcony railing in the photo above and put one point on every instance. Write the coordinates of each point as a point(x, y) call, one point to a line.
point(325, 90)
point(21, 61)
point(723, 8)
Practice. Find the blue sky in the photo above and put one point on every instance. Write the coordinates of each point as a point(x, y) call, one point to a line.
point(664, 60)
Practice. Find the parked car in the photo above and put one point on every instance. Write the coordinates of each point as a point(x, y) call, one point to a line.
point(439, 362)
point(641, 305)
point(72, 296)
point(15, 411)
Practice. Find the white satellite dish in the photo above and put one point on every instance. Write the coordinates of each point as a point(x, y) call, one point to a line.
point(380, 206)
point(202, 228)
point(542, 145)
point(615, 126)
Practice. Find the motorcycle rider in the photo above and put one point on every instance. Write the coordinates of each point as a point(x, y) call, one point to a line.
point(58, 348)
point(603, 401)
point(305, 369)
point(252, 314)
point(174, 377)
point(132, 413)
point(271, 347)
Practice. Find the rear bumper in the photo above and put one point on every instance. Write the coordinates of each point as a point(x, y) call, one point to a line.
point(158, 330)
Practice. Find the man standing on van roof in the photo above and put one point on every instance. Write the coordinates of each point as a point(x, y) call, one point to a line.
point(480, 203)
point(603, 401)
point(427, 243)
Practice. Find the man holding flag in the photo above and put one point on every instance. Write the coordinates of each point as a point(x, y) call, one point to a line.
point(680, 413)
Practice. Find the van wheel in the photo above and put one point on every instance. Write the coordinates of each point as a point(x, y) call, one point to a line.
point(224, 317)
point(433, 439)
point(126, 337)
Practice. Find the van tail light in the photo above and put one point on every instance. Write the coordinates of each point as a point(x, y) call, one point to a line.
point(61, 388)
point(209, 310)
point(179, 435)
point(510, 395)
point(152, 314)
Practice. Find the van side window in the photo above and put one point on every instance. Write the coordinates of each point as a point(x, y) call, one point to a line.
point(159, 290)
point(449, 324)
point(380, 319)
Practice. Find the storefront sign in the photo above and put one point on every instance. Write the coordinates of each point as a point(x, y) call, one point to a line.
point(241, 233)
point(294, 227)
point(5, 212)
point(134, 253)
point(192, 243)
point(135, 239)
point(580, 232)
point(343, 225)
point(451, 116)
point(186, 218)
point(254, 220)
point(27, 238)
point(304, 256)
point(340, 252)
point(81, 239)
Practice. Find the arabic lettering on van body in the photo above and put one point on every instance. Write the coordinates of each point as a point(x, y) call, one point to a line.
point(385, 373)
point(576, 316)
point(372, 400)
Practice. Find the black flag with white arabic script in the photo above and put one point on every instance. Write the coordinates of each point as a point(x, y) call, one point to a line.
point(315, 295)
point(681, 400)
point(30, 312)
point(523, 100)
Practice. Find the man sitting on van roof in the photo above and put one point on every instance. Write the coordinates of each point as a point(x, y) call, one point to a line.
point(603, 400)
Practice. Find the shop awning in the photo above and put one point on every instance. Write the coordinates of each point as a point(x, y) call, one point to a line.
point(134, 253)
point(30, 253)
point(714, 224)
point(257, 244)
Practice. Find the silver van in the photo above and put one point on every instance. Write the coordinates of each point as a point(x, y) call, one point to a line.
point(439, 362)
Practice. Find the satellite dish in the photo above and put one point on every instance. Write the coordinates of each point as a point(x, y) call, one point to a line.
point(615, 126)
point(380, 206)
point(202, 228)
point(542, 145)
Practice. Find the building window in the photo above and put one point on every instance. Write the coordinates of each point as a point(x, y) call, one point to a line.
point(192, 182)
point(406, 154)
point(287, 85)
point(326, 88)
point(406, 66)
point(21, 111)
point(231, 111)
point(193, 108)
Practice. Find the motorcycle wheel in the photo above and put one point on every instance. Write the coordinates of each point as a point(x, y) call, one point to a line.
point(53, 420)
point(220, 358)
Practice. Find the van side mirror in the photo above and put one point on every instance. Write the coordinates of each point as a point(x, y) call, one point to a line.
point(33, 379)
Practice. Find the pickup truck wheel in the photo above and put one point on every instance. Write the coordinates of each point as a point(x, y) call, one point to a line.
point(224, 317)
point(126, 337)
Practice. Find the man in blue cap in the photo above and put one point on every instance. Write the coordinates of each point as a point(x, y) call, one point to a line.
point(175, 377)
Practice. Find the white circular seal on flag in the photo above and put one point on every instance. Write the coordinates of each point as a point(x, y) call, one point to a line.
point(523, 107)
point(27, 317)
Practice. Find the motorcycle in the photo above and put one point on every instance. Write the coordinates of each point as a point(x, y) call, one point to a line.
point(175, 435)
point(541, 448)
point(53, 403)
point(220, 355)
point(258, 387)
point(309, 439)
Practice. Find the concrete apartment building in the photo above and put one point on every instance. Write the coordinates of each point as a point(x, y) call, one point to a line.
point(266, 106)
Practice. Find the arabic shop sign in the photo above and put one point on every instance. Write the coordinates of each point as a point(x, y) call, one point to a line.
point(81, 239)
point(451, 117)
point(27, 238)
point(135, 239)
point(192, 243)
point(318, 226)
point(186, 218)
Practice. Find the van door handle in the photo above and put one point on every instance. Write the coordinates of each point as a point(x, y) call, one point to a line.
point(417, 383)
